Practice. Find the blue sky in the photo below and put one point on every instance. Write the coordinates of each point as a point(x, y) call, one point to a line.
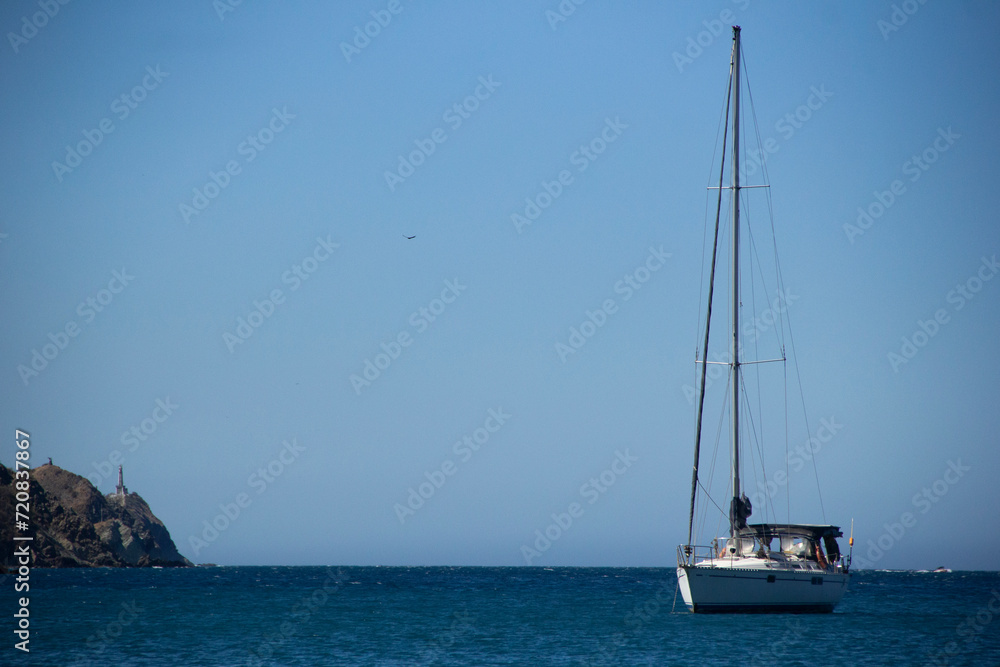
point(281, 138)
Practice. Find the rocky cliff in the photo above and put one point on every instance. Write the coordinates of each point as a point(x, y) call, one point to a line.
point(75, 525)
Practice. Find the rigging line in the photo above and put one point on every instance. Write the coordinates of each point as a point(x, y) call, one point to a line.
point(756, 371)
point(715, 460)
point(755, 255)
point(760, 274)
point(757, 268)
point(780, 330)
point(701, 284)
point(764, 283)
point(723, 122)
point(758, 439)
point(788, 477)
point(761, 157)
point(720, 423)
point(756, 125)
point(709, 496)
point(718, 439)
point(791, 338)
point(703, 509)
point(755, 263)
point(753, 240)
point(805, 417)
point(795, 362)
point(756, 450)
point(781, 321)
point(723, 515)
point(766, 180)
point(756, 340)
point(708, 318)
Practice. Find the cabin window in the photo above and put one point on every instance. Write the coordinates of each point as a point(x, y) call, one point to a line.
point(795, 545)
point(741, 546)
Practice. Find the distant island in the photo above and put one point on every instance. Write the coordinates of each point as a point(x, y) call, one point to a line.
point(75, 525)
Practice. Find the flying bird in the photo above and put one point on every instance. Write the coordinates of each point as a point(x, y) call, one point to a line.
point(409, 237)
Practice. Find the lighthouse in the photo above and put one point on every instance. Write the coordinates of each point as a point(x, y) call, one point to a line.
point(120, 490)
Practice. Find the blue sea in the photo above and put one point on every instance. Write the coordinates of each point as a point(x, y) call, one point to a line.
point(483, 616)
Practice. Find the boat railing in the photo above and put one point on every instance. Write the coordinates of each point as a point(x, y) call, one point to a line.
point(689, 554)
point(692, 554)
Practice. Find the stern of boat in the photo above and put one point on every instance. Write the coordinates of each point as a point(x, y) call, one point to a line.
point(756, 585)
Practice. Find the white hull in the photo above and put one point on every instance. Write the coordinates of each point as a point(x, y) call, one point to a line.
point(707, 588)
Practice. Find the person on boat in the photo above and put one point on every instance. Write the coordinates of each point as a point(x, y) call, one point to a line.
point(832, 548)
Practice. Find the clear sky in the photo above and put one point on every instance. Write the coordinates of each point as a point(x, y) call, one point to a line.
point(203, 215)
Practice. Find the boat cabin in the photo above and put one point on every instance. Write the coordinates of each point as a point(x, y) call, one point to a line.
point(807, 542)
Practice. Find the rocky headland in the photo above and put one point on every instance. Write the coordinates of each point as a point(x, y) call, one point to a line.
point(75, 525)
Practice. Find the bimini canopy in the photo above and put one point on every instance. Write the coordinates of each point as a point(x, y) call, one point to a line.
point(765, 531)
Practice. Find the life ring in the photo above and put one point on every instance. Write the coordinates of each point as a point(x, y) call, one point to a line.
point(820, 557)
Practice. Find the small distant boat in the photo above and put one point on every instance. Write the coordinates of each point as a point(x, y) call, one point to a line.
point(937, 570)
point(764, 567)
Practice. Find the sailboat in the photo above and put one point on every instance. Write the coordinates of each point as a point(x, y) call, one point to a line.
point(757, 567)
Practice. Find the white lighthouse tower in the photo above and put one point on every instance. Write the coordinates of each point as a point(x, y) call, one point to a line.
point(120, 490)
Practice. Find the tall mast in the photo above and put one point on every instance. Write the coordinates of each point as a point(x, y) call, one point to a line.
point(708, 324)
point(735, 351)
